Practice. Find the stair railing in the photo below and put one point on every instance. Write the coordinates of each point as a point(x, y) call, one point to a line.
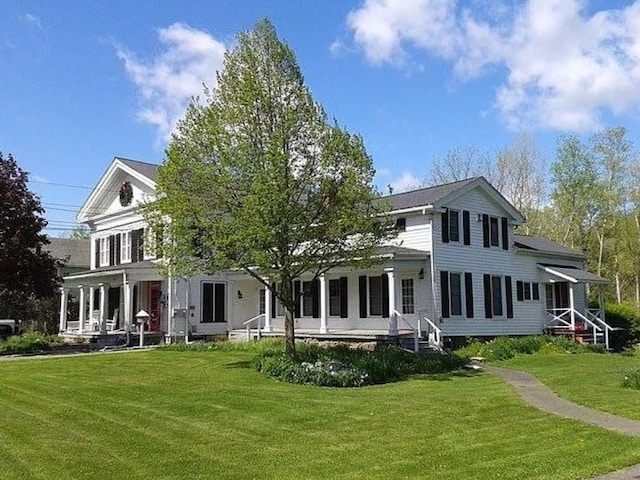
point(257, 319)
point(592, 319)
point(414, 330)
point(434, 333)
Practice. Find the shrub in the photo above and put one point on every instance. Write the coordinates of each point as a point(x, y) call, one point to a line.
point(625, 316)
point(504, 348)
point(28, 343)
point(265, 345)
point(631, 379)
point(342, 366)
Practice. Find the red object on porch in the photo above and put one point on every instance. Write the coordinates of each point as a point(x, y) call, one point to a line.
point(154, 306)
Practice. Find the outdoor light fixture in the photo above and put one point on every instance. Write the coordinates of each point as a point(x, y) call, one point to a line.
point(240, 295)
point(421, 274)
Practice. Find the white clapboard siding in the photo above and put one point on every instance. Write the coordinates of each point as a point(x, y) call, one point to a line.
point(417, 234)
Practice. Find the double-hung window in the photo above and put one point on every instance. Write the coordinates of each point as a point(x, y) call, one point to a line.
point(125, 247)
point(334, 297)
point(104, 251)
point(408, 300)
point(375, 295)
point(454, 226)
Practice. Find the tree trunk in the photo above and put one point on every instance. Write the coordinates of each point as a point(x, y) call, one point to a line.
point(637, 292)
point(289, 332)
point(618, 288)
point(601, 253)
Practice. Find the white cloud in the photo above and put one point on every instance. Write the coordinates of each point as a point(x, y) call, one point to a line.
point(31, 19)
point(405, 182)
point(188, 59)
point(564, 65)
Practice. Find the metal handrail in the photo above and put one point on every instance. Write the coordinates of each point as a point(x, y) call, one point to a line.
point(250, 321)
point(414, 330)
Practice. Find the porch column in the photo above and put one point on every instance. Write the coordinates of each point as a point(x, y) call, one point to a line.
point(92, 306)
point(572, 306)
point(126, 294)
point(171, 323)
point(131, 307)
point(393, 319)
point(82, 309)
point(323, 304)
point(63, 309)
point(268, 298)
point(103, 309)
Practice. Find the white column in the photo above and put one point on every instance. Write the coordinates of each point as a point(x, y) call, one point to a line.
point(268, 298)
point(572, 306)
point(63, 309)
point(92, 306)
point(323, 304)
point(103, 310)
point(171, 324)
point(126, 294)
point(82, 309)
point(393, 319)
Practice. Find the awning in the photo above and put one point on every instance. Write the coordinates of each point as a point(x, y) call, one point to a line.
point(573, 275)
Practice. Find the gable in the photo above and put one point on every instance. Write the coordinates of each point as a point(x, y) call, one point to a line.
point(105, 197)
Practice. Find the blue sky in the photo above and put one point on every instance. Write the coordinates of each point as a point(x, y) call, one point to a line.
point(83, 81)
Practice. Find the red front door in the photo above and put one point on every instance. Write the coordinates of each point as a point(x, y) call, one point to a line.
point(154, 306)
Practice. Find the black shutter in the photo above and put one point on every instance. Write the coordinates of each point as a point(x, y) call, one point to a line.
point(273, 300)
point(385, 295)
point(112, 250)
point(344, 298)
point(362, 286)
point(536, 291)
point(219, 313)
point(207, 303)
point(97, 252)
point(444, 293)
point(520, 290)
point(296, 298)
point(445, 226)
point(487, 296)
point(141, 244)
point(466, 227)
point(509, 293)
point(505, 234)
point(468, 293)
point(315, 298)
point(118, 248)
point(134, 246)
point(485, 231)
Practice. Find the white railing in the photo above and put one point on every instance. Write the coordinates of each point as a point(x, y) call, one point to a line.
point(577, 322)
point(258, 319)
point(415, 331)
point(73, 325)
point(434, 332)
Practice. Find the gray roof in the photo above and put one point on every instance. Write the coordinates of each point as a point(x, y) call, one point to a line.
point(396, 251)
point(425, 196)
point(74, 252)
point(149, 170)
point(578, 275)
point(145, 264)
point(541, 244)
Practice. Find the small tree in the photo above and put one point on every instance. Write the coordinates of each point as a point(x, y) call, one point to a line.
point(26, 272)
point(256, 179)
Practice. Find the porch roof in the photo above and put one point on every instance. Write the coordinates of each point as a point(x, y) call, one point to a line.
point(573, 275)
point(145, 265)
point(395, 251)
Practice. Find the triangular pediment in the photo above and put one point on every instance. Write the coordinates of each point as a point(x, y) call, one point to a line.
point(137, 179)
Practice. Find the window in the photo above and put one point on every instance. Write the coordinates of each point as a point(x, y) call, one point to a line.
point(307, 299)
point(455, 289)
point(496, 296)
point(125, 247)
point(401, 224)
point(262, 301)
point(334, 298)
point(375, 295)
point(104, 251)
point(213, 302)
point(527, 291)
point(454, 226)
point(494, 232)
point(408, 302)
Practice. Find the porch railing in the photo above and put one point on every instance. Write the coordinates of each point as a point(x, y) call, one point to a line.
point(433, 331)
point(415, 331)
point(254, 320)
point(572, 319)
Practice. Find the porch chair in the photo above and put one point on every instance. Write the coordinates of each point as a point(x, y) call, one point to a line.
point(112, 323)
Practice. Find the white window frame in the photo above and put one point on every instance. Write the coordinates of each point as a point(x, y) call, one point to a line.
point(457, 212)
point(104, 251)
point(125, 247)
point(462, 295)
point(498, 232)
point(334, 298)
point(408, 296)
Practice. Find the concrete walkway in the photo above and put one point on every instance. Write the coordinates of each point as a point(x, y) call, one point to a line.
point(542, 397)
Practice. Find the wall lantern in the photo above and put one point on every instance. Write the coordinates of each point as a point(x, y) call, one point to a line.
point(421, 274)
point(240, 296)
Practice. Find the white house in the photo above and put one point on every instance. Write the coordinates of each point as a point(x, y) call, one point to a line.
point(456, 269)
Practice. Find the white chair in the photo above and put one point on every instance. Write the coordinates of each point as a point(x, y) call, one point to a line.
point(113, 322)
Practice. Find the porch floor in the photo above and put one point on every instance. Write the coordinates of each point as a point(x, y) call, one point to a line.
point(346, 334)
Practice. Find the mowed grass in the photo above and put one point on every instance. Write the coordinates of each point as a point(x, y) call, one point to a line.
point(187, 415)
point(590, 379)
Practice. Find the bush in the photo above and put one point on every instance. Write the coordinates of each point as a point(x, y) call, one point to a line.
point(265, 345)
point(342, 366)
point(28, 343)
point(504, 348)
point(625, 316)
point(631, 379)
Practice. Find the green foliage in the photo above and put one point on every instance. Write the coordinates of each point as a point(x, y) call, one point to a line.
point(504, 348)
point(631, 379)
point(263, 346)
point(28, 343)
point(625, 316)
point(342, 366)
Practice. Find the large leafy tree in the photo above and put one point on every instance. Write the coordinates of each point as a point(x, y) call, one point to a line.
point(27, 273)
point(256, 179)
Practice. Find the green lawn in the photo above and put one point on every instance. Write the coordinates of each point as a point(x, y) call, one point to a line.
point(161, 415)
point(588, 379)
